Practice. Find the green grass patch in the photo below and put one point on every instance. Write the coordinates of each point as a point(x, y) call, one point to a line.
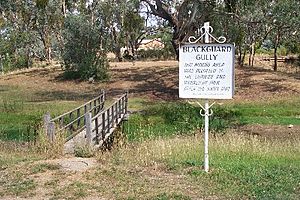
point(280, 112)
point(43, 167)
point(165, 196)
point(256, 176)
point(22, 124)
point(178, 118)
point(75, 190)
point(243, 167)
point(21, 187)
point(166, 119)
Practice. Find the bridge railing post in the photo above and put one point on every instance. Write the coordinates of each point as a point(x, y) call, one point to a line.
point(116, 114)
point(49, 127)
point(88, 125)
point(46, 120)
point(103, 126)
point(51, 131)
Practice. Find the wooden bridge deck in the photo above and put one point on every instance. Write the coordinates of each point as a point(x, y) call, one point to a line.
point(80, 139)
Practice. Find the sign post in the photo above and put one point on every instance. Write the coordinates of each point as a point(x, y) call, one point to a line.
point(206, 71)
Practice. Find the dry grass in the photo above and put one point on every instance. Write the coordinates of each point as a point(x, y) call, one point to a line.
point(51, 149)
point(177, 149)
point(169, 168)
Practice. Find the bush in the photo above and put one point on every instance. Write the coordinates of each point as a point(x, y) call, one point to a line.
point(156, 54)
point(83, 56)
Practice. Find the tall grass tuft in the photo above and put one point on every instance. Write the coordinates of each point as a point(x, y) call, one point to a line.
point(51, 149)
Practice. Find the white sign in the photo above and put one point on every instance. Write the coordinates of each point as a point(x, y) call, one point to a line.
point(206, 71)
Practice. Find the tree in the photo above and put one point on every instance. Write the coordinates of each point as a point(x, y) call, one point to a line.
point(184, 17)
point(38, 23)
point(16, 34)
point(117, 16)
point(285, 21)
point(248, 25)
point(49, 18)
point(135, 30)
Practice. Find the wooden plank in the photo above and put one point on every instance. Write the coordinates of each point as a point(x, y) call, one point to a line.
point(103, 126)
point(112, 115)
point(78, 117)
point(85, 111)
point(126, 102)
point(86, 104)
point(61, 121)
point(71, 124)
point(109, 117)
point(97, 129)
point(108, 120)
point(117, 113)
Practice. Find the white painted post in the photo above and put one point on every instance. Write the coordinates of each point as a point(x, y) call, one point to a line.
point(206, 131)
point(88, 127)
point(206, 106)
point(206, 36)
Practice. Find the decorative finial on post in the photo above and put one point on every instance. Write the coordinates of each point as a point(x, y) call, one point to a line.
point(205, 33)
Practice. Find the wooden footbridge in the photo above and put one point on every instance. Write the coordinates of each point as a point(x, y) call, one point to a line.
point(90, 124)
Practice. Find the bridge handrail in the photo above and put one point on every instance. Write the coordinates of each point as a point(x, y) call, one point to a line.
point(73, 120)
point(101, 97)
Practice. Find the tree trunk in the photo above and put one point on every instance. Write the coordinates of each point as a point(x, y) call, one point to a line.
point(117, 51)
point(47, 45)
point(253, 55)
point(275, 59)
point(276, 43)
point(240, 63)
point(48, 53)
point(175, 41)
point(251, 58)
point(243, 57)
point(176, 48)
point(117, 48)
point(63, 8)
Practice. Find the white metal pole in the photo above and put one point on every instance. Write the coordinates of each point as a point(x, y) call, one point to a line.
point(206, 122)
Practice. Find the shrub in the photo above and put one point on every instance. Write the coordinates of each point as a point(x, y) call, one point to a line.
point(156, 54)
point(83, 56)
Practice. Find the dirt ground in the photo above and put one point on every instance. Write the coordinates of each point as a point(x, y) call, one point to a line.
point(158, 80)
point(271, 132)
